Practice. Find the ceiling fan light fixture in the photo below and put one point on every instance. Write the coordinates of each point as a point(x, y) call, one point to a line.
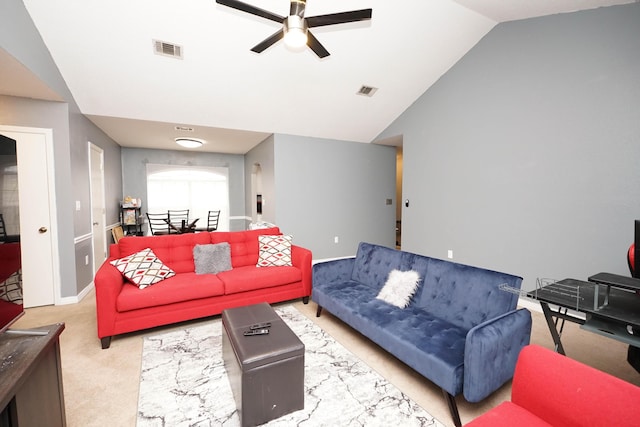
point(189, 142)
point(295, 32)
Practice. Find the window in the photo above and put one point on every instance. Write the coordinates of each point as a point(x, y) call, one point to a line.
point(197, 188)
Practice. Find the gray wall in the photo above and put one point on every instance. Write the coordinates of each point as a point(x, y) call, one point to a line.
point(327, 188)
point(71, 131)
point(524, 156)
point(134, 173)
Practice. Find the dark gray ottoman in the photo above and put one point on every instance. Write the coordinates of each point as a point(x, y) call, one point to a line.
point(266, 372)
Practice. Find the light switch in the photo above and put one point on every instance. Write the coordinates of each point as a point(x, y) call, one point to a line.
point(77, 205)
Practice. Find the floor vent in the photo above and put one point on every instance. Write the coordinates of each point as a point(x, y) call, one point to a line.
point(367, 91)
point(167, 49)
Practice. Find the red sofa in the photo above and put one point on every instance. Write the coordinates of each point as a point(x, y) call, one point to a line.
point(122, 307)
point(549, 389)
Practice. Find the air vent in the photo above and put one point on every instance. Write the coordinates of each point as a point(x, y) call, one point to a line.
point(367, 91)
point(184, 128)
point(167, 49)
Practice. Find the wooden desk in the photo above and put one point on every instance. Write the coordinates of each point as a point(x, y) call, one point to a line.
point(31, 378)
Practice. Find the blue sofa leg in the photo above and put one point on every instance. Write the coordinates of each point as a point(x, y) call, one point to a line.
point(453, 407)
point(319, 311)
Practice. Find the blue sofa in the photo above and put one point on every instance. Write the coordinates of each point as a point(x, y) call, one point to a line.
point(459, 330)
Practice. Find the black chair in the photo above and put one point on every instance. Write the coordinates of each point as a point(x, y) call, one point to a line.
point(4, 237)
point(179, 218)
point(3, 230)
point(159, 223)
point(212, 220)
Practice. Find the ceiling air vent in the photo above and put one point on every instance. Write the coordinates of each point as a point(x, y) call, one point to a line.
point(184, 128)
point(367, 91)
point(167, 49)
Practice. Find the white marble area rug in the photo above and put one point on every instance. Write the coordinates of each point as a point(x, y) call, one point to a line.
point(184, 383)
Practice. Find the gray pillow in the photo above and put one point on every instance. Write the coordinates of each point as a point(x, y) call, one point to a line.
point(212, 259)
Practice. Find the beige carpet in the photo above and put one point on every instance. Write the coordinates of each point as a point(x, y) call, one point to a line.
point(101, 386)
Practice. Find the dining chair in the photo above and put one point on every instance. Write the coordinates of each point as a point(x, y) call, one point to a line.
point(3, 230)
point(176, 217)
point(212, 220)
point(159, 223)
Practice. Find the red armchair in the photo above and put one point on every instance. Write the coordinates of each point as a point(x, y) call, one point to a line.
point(553, 390)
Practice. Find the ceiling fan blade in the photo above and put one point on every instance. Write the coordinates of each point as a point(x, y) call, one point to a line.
point(339, 18)
point(275, 37)
point(235, 4)
point(316, 46)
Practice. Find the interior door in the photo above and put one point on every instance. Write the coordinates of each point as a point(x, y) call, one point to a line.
point(98, 209)
point(37, 235)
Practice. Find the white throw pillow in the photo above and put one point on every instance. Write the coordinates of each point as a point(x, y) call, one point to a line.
point(400, 287)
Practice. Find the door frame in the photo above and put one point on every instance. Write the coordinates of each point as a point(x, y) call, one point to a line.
point(47, 133)
point(103, 217)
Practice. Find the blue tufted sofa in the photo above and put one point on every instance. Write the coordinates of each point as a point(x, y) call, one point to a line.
point(460, 330)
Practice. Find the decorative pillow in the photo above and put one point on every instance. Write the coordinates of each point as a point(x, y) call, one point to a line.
point(400, 287)
point(11, 289)
point(275, 251)
point(143, 268)
point(212, 258)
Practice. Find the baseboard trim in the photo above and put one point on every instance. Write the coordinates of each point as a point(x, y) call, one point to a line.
point(76, 299)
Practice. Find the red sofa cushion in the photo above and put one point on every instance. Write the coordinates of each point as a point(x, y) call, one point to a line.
point(250, 277)
point(244, 244)
point(176, 250)
point(182, 287)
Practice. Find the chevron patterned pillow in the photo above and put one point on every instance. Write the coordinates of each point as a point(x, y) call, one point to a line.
point(143, 268)
point(275, 251)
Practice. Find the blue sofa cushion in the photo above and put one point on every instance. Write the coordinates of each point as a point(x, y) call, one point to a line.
point(464, 295)
point(373, 263)
point(430, 345)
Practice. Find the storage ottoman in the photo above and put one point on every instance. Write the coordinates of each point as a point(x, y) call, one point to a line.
point(266, 372)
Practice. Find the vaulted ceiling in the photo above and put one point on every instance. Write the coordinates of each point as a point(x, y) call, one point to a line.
point(234, 98)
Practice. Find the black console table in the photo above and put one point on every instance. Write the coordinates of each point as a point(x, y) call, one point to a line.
point(31, 392)
point(609, 302)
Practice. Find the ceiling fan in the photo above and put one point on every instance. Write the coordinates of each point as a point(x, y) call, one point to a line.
point(295, 27)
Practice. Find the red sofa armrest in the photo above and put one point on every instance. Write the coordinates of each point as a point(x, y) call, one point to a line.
point(108, 283)
point(301, 258)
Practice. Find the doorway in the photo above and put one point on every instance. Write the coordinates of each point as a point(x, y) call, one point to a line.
point(98, 208)
point(36, 222)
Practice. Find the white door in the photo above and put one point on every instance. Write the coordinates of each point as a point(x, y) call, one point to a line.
point(98, 211)
point(37, 218)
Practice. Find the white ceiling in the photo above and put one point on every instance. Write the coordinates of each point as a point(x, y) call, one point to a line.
point(234, 98)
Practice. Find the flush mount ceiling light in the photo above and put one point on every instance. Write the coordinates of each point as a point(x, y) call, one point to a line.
point(189, 142)
point(295, 32)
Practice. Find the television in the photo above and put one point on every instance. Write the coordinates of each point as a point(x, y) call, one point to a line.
point(11, 304)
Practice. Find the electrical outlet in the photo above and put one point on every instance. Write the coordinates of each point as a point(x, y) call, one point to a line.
point(336, 239)
point(450, 254)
